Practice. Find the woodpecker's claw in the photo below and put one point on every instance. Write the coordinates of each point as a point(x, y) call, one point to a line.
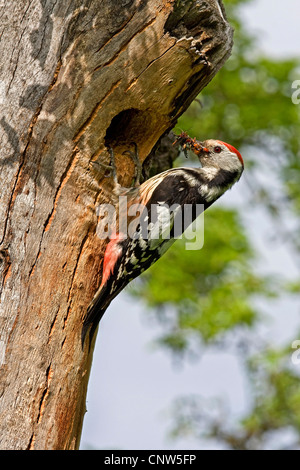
point(111, 167)
point(137, 163)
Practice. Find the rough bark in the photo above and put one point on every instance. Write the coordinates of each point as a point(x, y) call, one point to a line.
point(76, 77)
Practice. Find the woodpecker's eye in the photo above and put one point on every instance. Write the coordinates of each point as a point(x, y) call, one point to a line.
point(218, 149)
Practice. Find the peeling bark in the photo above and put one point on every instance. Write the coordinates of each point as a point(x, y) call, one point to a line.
point(77, 77)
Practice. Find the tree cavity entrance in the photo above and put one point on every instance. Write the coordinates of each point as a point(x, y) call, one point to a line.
point(130, 125)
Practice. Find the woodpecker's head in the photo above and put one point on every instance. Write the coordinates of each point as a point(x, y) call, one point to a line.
point(220, 155)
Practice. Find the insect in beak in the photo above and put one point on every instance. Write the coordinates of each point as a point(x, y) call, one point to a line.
point(187, 143)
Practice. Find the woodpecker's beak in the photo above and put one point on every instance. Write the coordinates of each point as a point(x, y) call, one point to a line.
point(203, 149)
point(199, 149)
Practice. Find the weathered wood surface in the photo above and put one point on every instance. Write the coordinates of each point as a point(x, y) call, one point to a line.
point(76, 77)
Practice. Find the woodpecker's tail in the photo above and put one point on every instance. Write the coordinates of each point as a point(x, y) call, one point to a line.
point(98, 307)
point(94, 313)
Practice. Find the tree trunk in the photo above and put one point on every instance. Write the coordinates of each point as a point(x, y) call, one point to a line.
point(77, 77)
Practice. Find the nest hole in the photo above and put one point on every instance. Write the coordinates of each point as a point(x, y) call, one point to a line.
point(130, 125)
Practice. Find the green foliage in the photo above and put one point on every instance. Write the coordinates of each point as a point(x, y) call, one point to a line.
point(274, 388)
point(276, 391)
point(246, 102)
point(211, 289)
point(293, 287)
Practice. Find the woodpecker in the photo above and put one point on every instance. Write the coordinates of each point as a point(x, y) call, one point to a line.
point(126, 257)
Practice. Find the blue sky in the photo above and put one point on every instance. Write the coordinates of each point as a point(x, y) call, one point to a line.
point(132, 384)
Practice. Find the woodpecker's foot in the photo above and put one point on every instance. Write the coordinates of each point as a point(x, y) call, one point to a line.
point(134, 155)
point(111, 167)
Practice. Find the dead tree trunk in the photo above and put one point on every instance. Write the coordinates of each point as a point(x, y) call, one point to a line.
point(76, 77)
